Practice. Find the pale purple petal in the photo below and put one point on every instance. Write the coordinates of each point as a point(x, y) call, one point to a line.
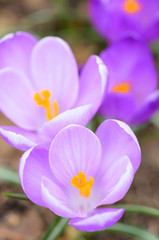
point(116, 181)
point(54, 68)
point(119, 106)
point(150, 107)
point(56, 199)
point(118, 140)
point(18, 137)
point(93, 83)
point(100, 219)
point(17, 102)
point(80, 115)
point(74, 149)
point(15, 51)
point(34, 165)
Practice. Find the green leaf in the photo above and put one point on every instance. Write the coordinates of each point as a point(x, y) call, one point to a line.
point(133, 231)
point(130, 208)
point(56, 229)
point(20, 196)
point(9, 175)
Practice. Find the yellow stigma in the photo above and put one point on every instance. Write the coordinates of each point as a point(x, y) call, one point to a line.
point(82, 184)
point(132, 6)
point(42, 99)
point(124, 87)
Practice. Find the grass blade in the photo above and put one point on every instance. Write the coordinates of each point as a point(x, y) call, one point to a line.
point(56, 229)
point(132, 231)
point(130, 208)
point(9, 176)
point(20, 196)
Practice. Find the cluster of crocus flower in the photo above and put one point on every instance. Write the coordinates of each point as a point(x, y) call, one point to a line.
point(113, 19)
point(66, 167)
point(41, 91)
point(82, 171)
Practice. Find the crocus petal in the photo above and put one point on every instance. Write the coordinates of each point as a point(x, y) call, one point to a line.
point(150, 106)
point(92, 83)
point(116, 181)
point(15, 51)
point(34, 165)
point(139, 65)
point(100, 219)
point(18, 137)
point(117, 141)
point(54, 68)
point(80, 115)
point(152, 33)
point(55, 199)
point(102, 13)
point(16, 100)
point(119, 106)
point(74, 149)
point(144, 75)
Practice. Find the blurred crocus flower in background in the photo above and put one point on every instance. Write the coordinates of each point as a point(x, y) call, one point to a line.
point(41, 90)
point(82, 171)
point(132, 95)
point(113, 18)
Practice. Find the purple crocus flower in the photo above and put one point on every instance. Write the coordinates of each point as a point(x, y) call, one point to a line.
point(41, 90)
point(82, 171)
point(132, 95)
point(113, 19)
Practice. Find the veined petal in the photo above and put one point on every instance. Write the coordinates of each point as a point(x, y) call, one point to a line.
point(18, 137)
point(80, 115)
point(15, 51)
point(54, 68)
point(16, 100)
point(56, 199)
point(150, 107)
point(74, 149)
point(117, 140)
point(100, 219)
point(34, 165)
point(116, 181)
point(93, 83)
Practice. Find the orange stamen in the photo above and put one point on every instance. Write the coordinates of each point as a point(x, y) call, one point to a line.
point(82, 184)
point(132, 6)
point(43, 100)
point(124, 87)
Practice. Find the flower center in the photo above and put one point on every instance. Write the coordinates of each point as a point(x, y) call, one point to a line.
point(82, 184)
point(124, 87)
point(43, 99)
point(132, 6)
